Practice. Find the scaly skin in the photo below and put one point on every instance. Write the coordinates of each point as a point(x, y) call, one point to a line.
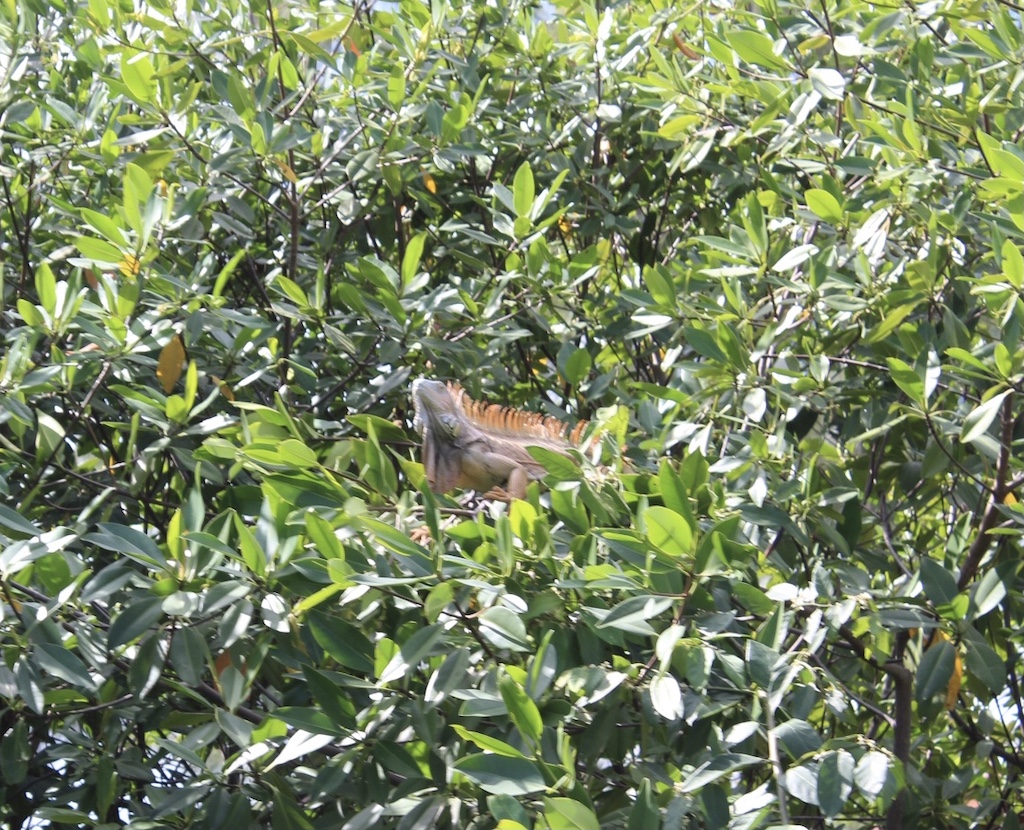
point(471, 445)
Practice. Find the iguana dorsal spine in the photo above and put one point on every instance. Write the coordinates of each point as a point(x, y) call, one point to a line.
point(518, 424)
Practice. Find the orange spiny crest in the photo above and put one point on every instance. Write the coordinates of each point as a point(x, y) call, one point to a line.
point(515, 422)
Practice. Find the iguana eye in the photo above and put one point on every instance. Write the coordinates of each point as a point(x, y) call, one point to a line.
point(451, 425)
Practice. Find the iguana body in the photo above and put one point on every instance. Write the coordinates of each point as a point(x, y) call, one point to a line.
point(475, 445)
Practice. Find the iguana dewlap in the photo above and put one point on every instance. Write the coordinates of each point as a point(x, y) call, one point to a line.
point(482, 446)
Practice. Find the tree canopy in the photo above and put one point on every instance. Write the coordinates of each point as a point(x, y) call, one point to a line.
point(773, 249)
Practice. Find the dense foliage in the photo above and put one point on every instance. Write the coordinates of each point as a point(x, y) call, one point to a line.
point(774, 249)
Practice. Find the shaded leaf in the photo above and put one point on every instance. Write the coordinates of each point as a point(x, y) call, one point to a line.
point(500, 775)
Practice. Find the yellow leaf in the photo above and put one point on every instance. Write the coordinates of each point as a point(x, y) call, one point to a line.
point(1010, 499)
point(429, 183)
point(168, 367)
point(288, 172)
point(686, 50)
point(130, 265)
point(953, 689)
point(225, 390)
point(564, 225)
point(223, 662)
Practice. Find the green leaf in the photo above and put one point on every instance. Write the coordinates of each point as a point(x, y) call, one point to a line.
point(935, 670)
point(674, 491)
point(145, 670)
point(798, 737)
point(969, 359)
point(719, 767)
point(835, 781)
point(557, 464)
point(504, 629)
point(502, 776)
point(907, 379)
point(137, 73)
point(680, 127)
point(1013, 264)
point(331, 698)
point(395, 757)
point(189, 655)
point(939, 584)
point(412, 652)
point(984, 663)
point(978, 421)
point(542, 668)
point(312, 720)
point(396, 87)
point(802, 782)
point(16, 522)
point(129, 541)
point(669, 531)
point(400, 543)
point(703, 343)
point(30, 314)
point(755, 225)
point(568, 814)
point(411, 258)
point(509, 813)
point(753, 598)
point(384, 429)
point(15, 753)
point(99, 251)
point(634, 614)
point(577, 366)
point(645, 814)
point(891, 320)
point(134, 621)
point(521, 708)
point(59, 662)
point(824, 205)
point(287, 815)
point(300, 456)
point(828, 82)
point(46, 288)
point(666, 697)
point(659, 284)
point(439, 598)
point(523, 190)
point(761, 661)
point(342, 641)
point(872, 772)
point(227, 271)
point(987, 594)
point(138, 186)
point(488, 743)
point(756, 48)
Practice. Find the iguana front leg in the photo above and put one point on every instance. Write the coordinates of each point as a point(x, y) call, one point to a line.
point(483, 468)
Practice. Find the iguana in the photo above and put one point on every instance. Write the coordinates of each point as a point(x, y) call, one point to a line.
point(482, 446)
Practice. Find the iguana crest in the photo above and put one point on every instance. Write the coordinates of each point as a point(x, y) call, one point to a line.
point(516, 423)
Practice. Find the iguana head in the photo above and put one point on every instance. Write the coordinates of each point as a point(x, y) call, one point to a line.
point(436, 410)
